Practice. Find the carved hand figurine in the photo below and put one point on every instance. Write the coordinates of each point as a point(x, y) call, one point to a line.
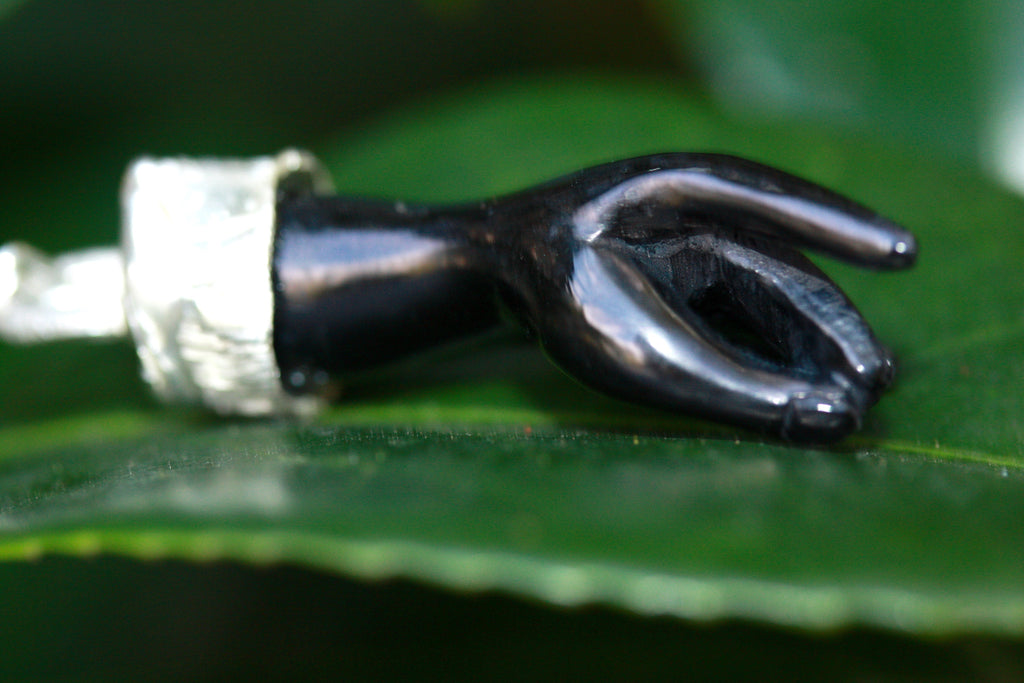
point(671, 280)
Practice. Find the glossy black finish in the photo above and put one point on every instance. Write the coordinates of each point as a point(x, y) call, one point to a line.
point(359, 284)
point(671, 280)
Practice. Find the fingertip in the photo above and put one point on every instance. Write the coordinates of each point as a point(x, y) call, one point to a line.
point(903, 252)
point(865, 383)
point(879, 243)
point(819, 417)
point(884, 376)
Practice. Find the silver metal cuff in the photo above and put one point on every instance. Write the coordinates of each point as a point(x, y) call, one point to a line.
point(198, 241)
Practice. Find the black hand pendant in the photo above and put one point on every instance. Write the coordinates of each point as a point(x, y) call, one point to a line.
point(671, 280)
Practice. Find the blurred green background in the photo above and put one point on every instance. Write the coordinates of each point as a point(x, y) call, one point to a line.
point(87, 86)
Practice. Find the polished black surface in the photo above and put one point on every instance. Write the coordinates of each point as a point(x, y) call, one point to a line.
point(671, 280)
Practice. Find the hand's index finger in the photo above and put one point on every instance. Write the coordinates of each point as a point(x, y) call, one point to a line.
point(761, 199)
point(839, 228)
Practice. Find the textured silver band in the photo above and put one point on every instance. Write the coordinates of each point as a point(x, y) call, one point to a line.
point(197, 240)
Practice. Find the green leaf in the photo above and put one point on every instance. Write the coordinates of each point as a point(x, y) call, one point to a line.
point(491, 470)
point(9, 7)
point(940, 75)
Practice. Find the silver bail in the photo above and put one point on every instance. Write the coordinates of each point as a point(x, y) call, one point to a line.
point(191, 281)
